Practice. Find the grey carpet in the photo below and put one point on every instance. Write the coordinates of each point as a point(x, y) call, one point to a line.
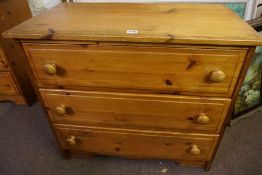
point(27, 147)
point(5, 107)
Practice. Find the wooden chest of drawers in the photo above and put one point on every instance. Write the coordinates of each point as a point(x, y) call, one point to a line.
point(14, 82)
point(138, 80)
point(10, 89)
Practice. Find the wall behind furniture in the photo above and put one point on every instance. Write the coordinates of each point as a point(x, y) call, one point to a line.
point(37, 6)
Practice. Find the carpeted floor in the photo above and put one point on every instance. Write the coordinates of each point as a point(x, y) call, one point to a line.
point(27, 147)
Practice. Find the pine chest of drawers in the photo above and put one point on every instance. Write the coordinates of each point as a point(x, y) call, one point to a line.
point(15, 85)
point(138, 80)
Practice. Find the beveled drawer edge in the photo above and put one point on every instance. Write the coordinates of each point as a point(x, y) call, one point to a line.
point(64, 91)
point(108, 43)
point(134, 131)
point(236, 73)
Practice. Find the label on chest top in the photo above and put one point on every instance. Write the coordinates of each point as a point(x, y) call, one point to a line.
point(132, 31)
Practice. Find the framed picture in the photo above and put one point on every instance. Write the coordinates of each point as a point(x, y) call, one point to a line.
point(250, 96)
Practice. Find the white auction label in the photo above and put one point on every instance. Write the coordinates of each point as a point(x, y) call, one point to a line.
point(132, 31)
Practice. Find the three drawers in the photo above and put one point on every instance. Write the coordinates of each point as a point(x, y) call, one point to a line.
point(185, 70)
point(7, 84)
point(156, 112)
point(145, 144)
point(93, 111)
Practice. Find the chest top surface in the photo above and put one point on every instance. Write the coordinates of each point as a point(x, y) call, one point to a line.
point(126, 22)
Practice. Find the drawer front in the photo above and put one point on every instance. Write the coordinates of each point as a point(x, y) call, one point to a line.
point(136, 143)
point(7, 84)
point(136, 110)
point(184, 70)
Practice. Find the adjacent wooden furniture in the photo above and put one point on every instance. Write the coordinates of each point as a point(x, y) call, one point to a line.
point(14, 83)
point(138, 80)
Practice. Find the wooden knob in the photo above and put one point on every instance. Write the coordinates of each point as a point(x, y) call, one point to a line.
point(60, 110)
point(217, 76)
point(194, 150)
point(202, 119)
point(50, 69)
point(71, 140)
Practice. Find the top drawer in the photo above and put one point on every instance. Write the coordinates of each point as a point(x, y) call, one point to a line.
point(183, 70)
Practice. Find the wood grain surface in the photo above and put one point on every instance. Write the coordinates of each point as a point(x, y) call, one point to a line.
point(7, 84)
point(110, 141)
point(156, 68)
point(158, 23)
point(143, 111)
point(3, 63)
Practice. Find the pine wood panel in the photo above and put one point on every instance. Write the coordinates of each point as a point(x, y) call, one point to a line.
point(145, 144)
point(13, 12)
point(18, 99)
point(130, 67)
point(157, 112)
point(2, 59)
point(161, 23)
point(7, 84)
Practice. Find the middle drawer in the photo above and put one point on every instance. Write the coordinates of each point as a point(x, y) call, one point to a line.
point(156, 112)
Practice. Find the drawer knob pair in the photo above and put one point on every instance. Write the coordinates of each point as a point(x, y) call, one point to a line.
point(217, 76)
point(203, 119)
point(50, 69)
point(71, 140)
point(60, 110)
point(194, 150)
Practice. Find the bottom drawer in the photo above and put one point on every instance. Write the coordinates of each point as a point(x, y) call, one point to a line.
point(133, 143)
point(7, 84)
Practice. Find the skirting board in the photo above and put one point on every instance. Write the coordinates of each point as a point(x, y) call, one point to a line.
point(246, 115)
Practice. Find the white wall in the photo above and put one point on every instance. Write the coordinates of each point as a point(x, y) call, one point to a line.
point(249, 13)
point(38, 6)
point(141, 1)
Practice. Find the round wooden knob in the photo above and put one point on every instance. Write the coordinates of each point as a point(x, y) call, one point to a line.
point(217, 76)
point(50, 69)
point(60, 110)
point(71, 140)
point(202, 119)
point(194, 150)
